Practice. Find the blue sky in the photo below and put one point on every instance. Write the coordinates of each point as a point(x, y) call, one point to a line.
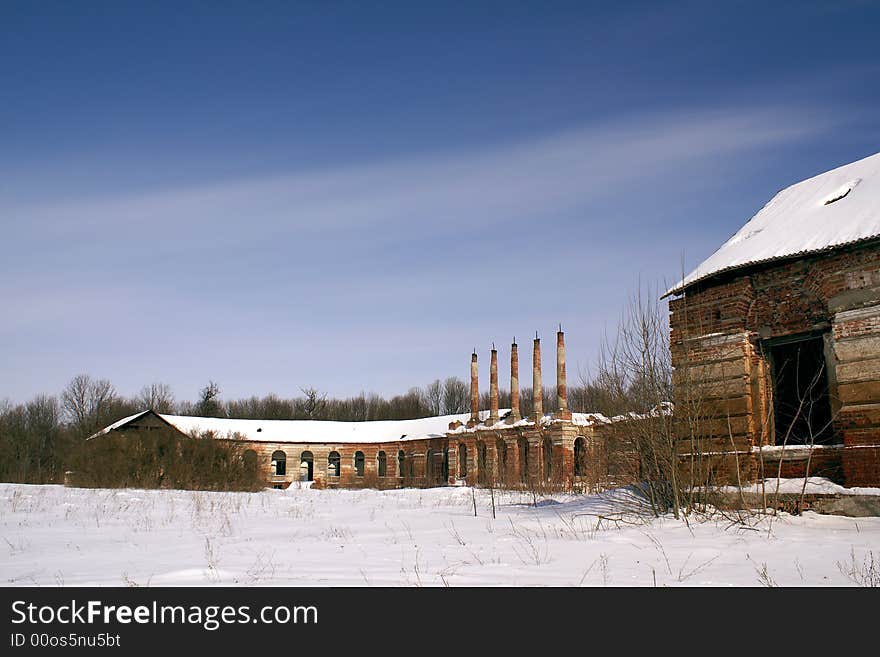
point(354, 195)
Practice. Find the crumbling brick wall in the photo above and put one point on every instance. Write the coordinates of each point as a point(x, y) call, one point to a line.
point(718, 328)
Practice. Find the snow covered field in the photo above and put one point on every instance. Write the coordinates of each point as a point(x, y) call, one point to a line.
point(59, 536)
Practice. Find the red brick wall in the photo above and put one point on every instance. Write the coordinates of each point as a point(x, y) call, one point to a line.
point(717, 329)
point(560, 434)
point(819, 462)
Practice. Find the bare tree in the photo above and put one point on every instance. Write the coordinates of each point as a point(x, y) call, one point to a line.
point(209, 401)
point(408, 405)
point(156, 397)
point(314, 403)
point(31, 440)
point(433, 397)
point(635, 371)
point(456, 397)
point(86, 402)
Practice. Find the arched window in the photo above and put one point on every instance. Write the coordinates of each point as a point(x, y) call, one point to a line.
point(307, 466)
point(462, 461)
point(482, 463)
point(523, 446)
point(501, 455)
point(382, 464)
point(548, 458)
point(580, 456)
point(279, 461)
point(249, 459)
point(359, 463)
point(401, 461)
point(333, 463)
point(445, 464)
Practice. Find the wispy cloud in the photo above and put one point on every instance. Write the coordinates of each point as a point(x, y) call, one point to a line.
point(504, 183)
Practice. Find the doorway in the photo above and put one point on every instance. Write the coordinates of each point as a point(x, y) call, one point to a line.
point(801, 400)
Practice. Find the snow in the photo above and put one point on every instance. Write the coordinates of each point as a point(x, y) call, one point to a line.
point(580, 419)
point(60, 536)
point(310, 431)
point(814, 486)
point(793, 451)
point(803, 218)
point(588, 419)
point(120, 423)
point(325, 431)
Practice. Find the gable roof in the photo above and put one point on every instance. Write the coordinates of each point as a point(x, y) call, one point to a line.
point(305, 431)
point(323, 431)
point(835, 208)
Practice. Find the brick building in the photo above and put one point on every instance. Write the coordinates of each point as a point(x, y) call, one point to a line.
point(481, 447)
point(776, 337)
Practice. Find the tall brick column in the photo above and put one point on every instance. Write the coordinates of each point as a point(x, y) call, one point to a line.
point(561, 388)
point(515, 415)
point(537, 389)
point(475, 392)
point(493, 387)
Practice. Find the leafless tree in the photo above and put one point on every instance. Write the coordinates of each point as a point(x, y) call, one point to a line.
point(433, 397)
point(209, 401)
point(86, 401)
point(156, 397)
point(408, 405)
point(31, 441)
point(635, 370)
point(455, 396)
point(314, 403)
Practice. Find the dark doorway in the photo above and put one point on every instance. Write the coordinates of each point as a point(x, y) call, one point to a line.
point(482, 464)
point(279, 461)
point(801, 404)
point(333, 463)
point(580, 456)
point(307, 464)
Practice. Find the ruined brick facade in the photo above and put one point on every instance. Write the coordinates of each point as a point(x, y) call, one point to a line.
point(489, 450)
point(724, 330)
point(511, 457)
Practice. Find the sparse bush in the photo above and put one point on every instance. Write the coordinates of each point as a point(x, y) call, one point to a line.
point(164, 459)
point(865, 572)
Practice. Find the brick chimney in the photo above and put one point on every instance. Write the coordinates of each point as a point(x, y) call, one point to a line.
point(515, 415)
point(475, 392)
point(537, 389)
point(493, 387)
point(561, 388)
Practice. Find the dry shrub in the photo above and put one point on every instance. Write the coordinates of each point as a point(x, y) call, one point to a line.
point(164, 459)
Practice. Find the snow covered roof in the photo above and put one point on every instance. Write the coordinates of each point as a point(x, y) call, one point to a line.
point(309, 431)
point(326, 431)
point(833, 209)
point(581, 419)
point(376, 431)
